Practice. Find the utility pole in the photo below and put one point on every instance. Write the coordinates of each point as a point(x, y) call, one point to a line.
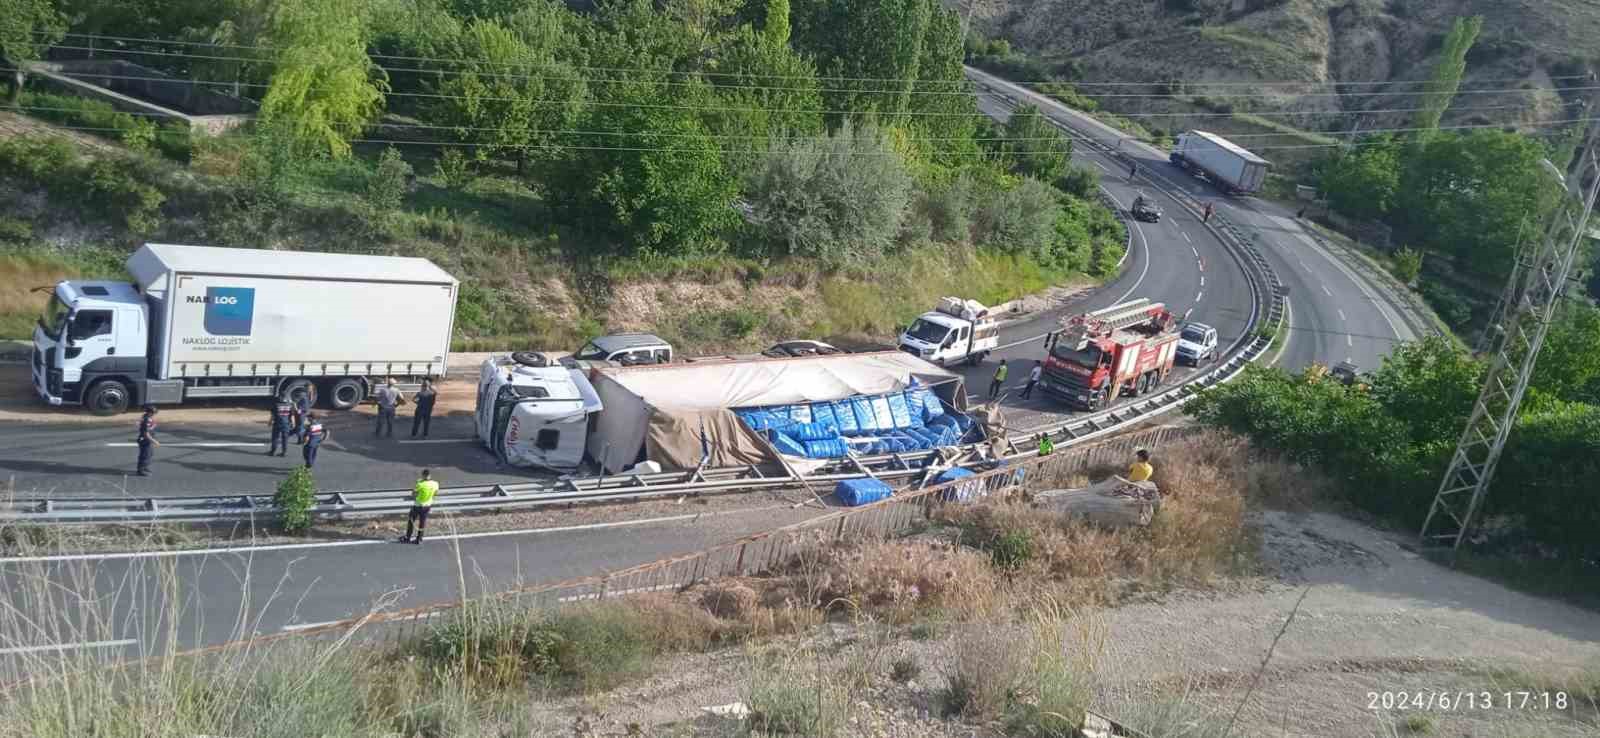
point(1530, 301)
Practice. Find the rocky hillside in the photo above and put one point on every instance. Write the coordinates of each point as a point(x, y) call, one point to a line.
point(1338, 47)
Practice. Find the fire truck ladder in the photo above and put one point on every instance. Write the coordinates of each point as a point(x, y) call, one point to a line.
point(1107, 321)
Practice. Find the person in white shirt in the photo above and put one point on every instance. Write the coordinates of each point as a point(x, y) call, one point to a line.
point(388, 397)
point(1033, 379)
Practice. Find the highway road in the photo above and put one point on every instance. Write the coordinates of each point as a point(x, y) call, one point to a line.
point(222, 594)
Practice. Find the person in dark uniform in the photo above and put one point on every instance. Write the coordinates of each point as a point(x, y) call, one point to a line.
point(147, 440)
point(282, 421)
point(423, 401)
point(302, 409)
point(315, 435)
point(1133, 170)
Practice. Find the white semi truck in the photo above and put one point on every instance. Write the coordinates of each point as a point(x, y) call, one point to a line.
point(957, 330)
point(1229, 166)
point(202, 322)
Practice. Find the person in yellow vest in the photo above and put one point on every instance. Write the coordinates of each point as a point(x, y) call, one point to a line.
point(1046, 446)
point(421, 503)
point(999, 380)
point(1141, 469)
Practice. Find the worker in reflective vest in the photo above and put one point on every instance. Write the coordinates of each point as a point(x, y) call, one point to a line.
point(421, 503)
point(1046, 446)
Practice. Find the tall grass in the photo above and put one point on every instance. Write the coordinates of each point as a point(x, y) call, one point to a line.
point(23, 269)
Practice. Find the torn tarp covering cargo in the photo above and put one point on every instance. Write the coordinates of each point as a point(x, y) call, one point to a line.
point(677, 414)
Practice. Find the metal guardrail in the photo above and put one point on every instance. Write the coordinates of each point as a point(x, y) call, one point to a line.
point(1247, 348)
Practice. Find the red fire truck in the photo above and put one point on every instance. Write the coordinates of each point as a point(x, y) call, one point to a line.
point(1121, 351)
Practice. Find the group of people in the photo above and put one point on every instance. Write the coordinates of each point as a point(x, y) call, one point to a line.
point(292, 417)
point(1003, 371)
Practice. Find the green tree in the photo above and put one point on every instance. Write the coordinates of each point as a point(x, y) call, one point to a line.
point(324, 87)
point(1466, 195)
point(1407, 264)
point(27, 28)
point(868, 51)
point(508, 96)
point(1546, 478)
point(1037, 148)
point(296, 496)
point(1435, 97)
point(839, 199)
point(1569, 364)
point(1020, 219)
point(1363, 183)
point(943, 111)
point(1430, 386)
point(775, 26)
point(386, 186)
point(763, 90)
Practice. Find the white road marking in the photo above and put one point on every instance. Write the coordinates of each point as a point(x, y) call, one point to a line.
point(1102, 166)
point(191, 444)
point(1186, 236)
point(1341, 316)
point(1327, 291)
point(369, 541)
point(1202, 280)
point(1348, 341)
point(439, 440)
point(309, 626)
point(1198, 296)
point(69, 646)
point(1146, 270)
point(1194, 251)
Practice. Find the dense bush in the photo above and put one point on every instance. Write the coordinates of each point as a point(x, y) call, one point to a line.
point(115, 188)
point(139, 133)
point(296, 495)
point(1449, 304)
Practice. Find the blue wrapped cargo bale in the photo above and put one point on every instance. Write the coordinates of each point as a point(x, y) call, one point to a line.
point(927, 436)
point(913, 404)
point(898, 409)
point(866, 420)
point(800, 413)
point(880, 409)
point(932, 407)
point(812, 431)
point(761, 420)
point(959, 492)
point(786, 445)
point(857, 492)
point(822, 412)
point(831, 448)
point(846, 418)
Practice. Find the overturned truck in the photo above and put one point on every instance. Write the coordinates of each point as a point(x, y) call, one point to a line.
point(800, 412)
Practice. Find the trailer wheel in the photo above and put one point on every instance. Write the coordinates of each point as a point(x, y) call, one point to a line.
point(346, 393)
point(294, 389)
point(107, 397)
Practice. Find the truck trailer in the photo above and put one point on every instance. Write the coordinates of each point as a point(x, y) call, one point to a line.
point(1230, 167)
point(204, 322)
point(1123, 350)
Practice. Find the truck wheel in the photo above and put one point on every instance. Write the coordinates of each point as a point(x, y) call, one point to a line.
point(294, 389)
point(107, 397)
point(346, 393)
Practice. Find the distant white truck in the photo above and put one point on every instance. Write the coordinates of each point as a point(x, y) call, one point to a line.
point(956, 330)
point(1229, 166)
point(201, 322)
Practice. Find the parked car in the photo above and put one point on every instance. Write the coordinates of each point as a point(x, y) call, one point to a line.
point(802, 347)
point(628, 349)
point(1345, 372)
point(1145, 209)
point(1197, 344)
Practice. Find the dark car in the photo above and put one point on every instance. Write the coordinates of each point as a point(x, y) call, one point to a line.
point(802, 348)
point(1145, 209)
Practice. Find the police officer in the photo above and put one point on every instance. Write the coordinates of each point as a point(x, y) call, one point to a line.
point(281, 421)
point(302, 410)
point(147, 440)
point(315, 435)
point(421, 505)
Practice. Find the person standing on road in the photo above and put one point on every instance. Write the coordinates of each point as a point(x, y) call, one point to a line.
point(1205, 215)
point(315, 435)
point(423, 415)
point(1133, 170)
point(147, 440)
point(302, 411)
point(282, 421)
point(1141, 469)
point(421, 504)
point(389, 398)
point(999, 380)
point(1033, 379)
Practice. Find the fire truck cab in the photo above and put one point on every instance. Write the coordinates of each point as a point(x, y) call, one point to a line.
point(1121, 351)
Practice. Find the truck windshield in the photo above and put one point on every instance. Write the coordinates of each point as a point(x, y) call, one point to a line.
point(923, 330)
point(1088, 356)
point(54, 317)
point(1194, 335)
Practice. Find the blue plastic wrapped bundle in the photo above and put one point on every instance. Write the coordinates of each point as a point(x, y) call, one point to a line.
point(913, 404)
point(786, 445)
point(857, 492)
point(761, 420)
point(880, 409)
point(931, 406)
point(800, 413)
point(927, 437)
point(959, 492)
point(910, 442)
point(822, 412)
point(831, 448)
point(811, 431)
point(898, 409)
point(865, 418)
point(846, 418)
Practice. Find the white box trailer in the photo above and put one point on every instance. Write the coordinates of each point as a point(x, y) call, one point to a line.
point(1230, 167)
point(201, 322)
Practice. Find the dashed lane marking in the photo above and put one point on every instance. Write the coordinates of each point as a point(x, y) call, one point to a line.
point(85, 645)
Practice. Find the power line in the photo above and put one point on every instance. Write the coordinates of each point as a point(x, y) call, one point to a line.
point(896, 91)
point(402, 57)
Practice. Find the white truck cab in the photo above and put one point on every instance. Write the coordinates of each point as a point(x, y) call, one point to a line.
point(88, 331)
point(958, 330)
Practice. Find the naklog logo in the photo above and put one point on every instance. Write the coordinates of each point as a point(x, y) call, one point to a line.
point(230, 311)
